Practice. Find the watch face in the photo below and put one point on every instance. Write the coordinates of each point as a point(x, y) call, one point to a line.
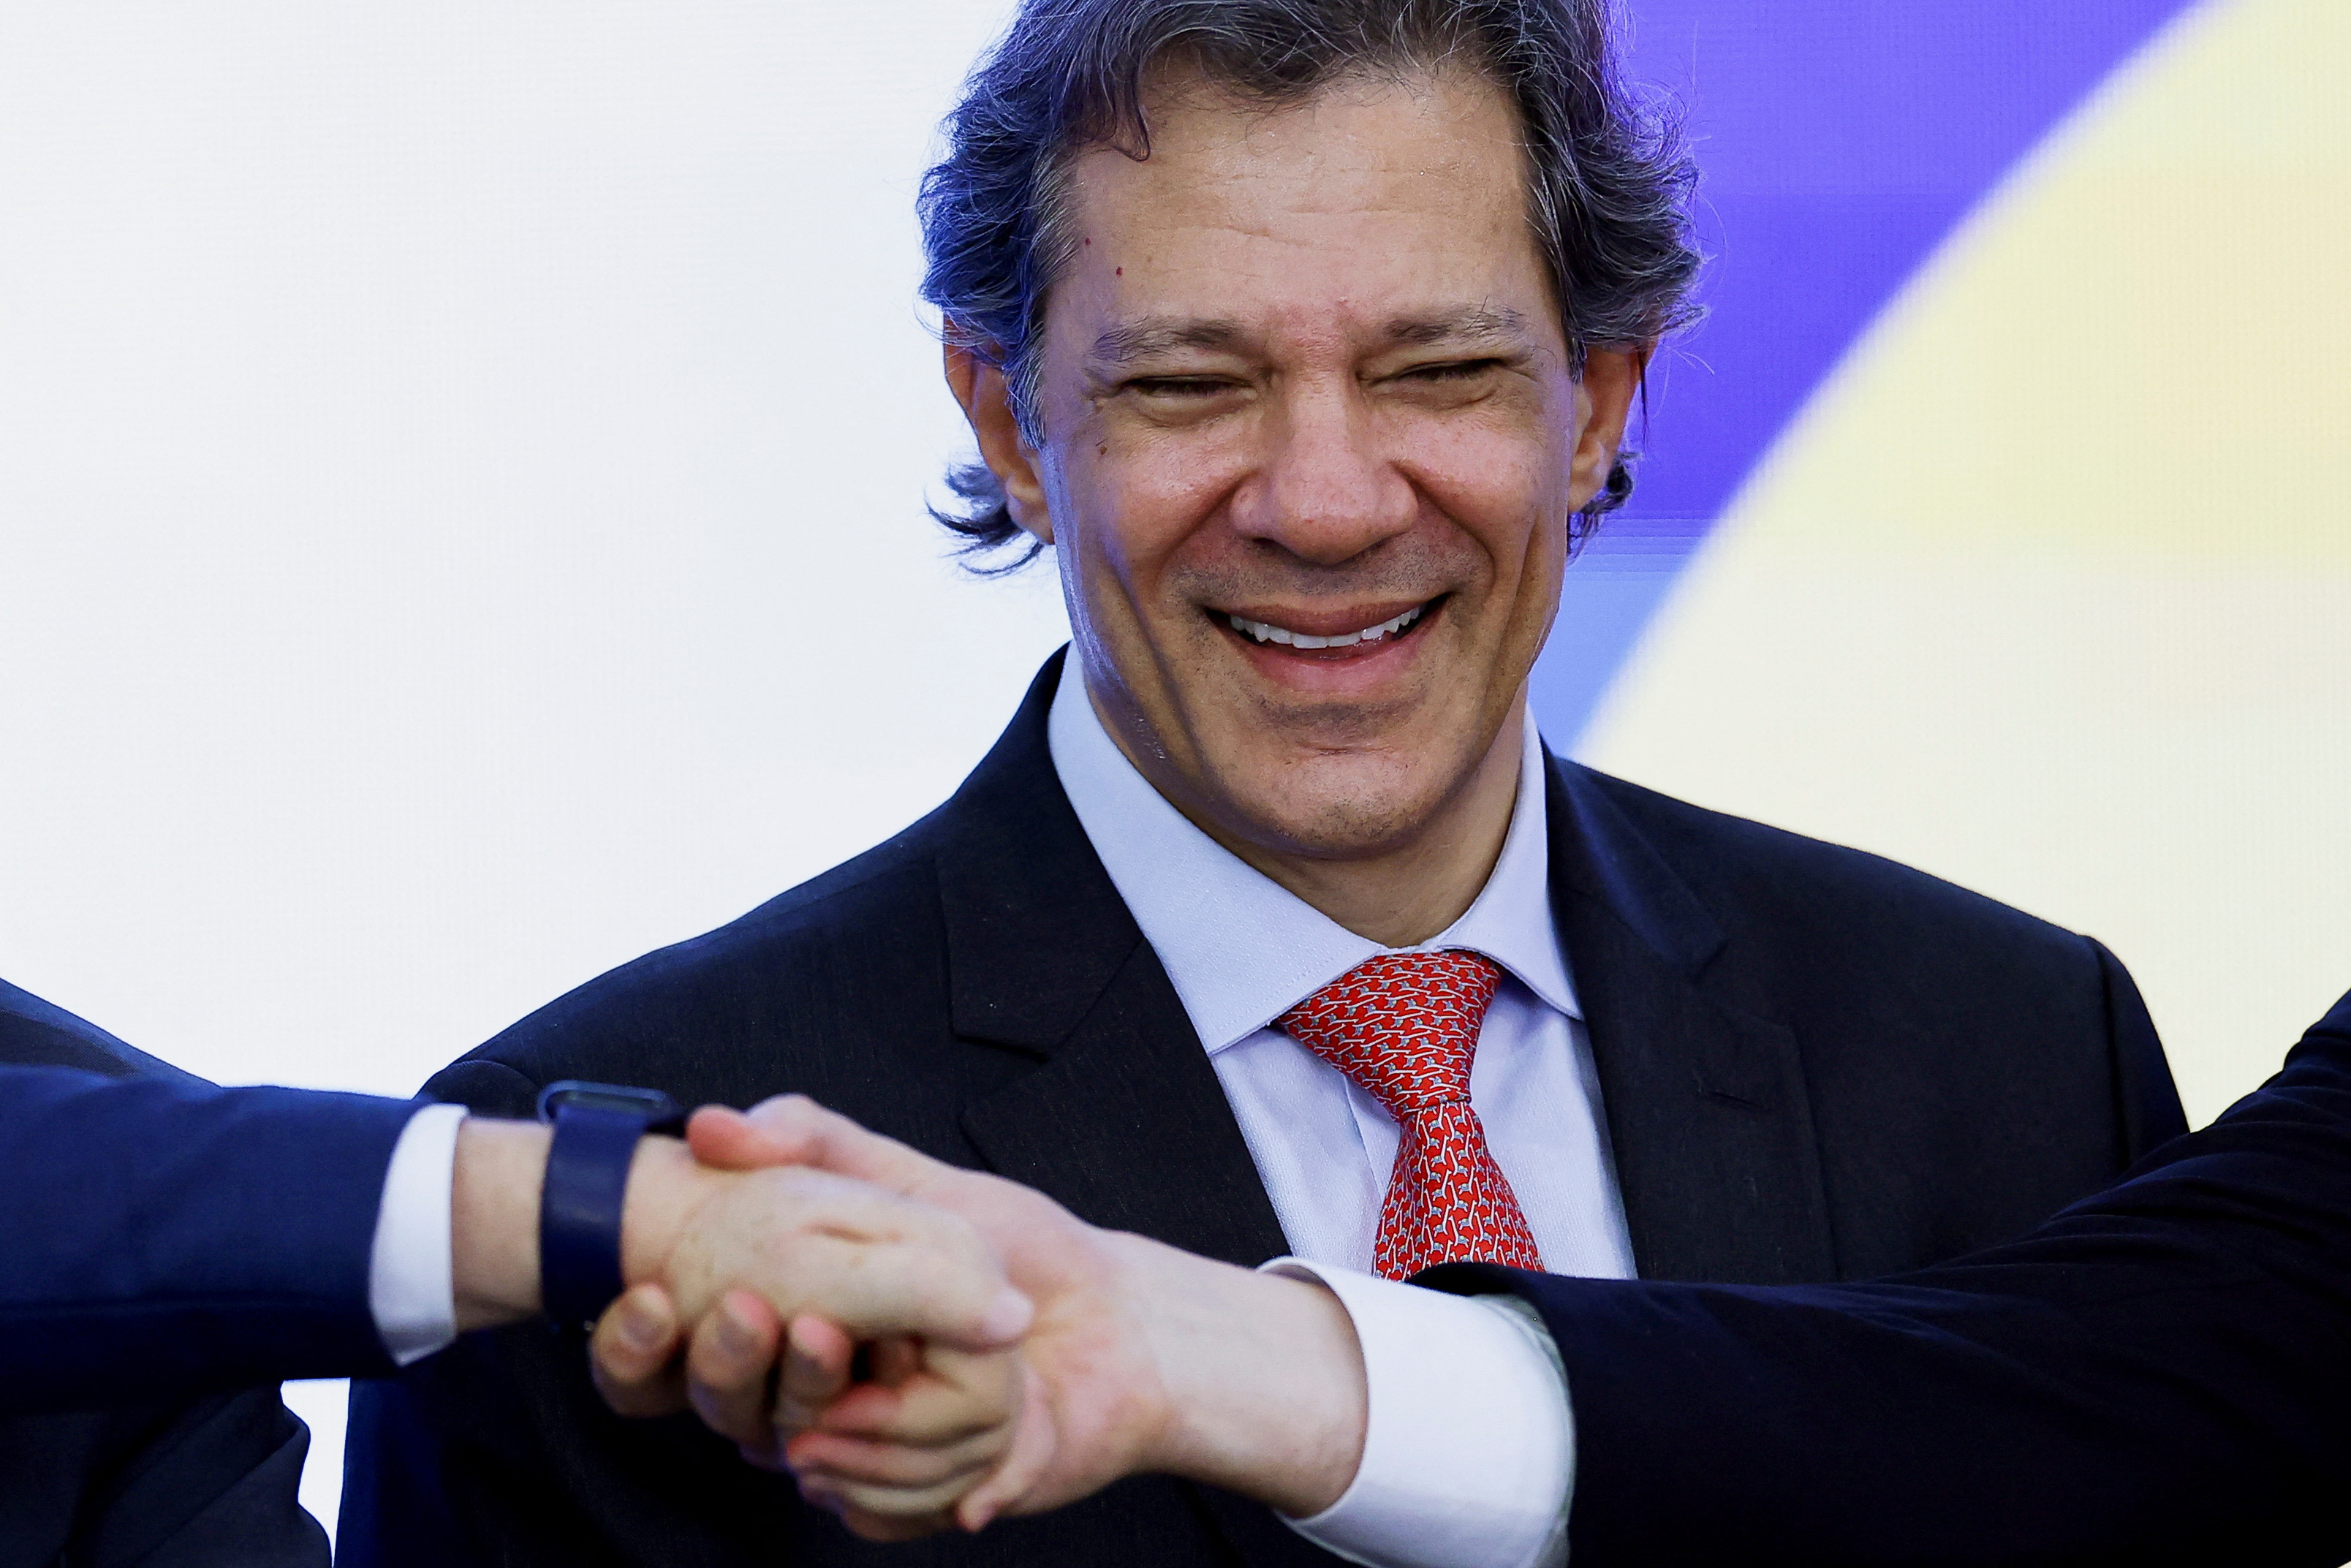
point(650, 1104)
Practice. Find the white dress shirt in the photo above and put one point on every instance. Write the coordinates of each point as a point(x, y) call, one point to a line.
point(1240, 951)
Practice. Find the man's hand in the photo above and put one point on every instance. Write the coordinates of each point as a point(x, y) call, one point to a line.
point(1140, 1358)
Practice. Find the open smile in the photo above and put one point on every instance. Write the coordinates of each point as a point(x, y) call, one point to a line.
point(1266, 632)
point(1353, 653)
point(1319, 639)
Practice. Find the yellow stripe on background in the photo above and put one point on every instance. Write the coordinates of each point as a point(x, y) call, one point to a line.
point(2049, 591)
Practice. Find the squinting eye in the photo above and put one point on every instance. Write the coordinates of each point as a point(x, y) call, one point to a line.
point(1175, 386)
point(1457, 370)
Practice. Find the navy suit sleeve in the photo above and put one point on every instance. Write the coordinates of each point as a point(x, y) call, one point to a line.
point(2159, 1375)
point(163, 1236)
point(208, 1482)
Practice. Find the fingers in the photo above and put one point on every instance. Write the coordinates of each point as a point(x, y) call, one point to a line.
point(895, 1461)
point(889, 1491)
point(816, 1370)
point(941, 1426)
point(878, 1526)
point(729, 1369)
point(893, 1457)
point(892, 1476)
point(631, 1354)
point(948, 1397)
point(891, 1291)
point(727, 1140)
point(895, 1360)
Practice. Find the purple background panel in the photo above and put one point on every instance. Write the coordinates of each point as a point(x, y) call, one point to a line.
point(1841, 140)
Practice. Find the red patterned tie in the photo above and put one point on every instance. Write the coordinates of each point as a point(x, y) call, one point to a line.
point(1405, 1026)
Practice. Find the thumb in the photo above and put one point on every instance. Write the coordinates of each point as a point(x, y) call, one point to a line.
point(1013, 1486)
point(725, 1139)
point(793, 1129)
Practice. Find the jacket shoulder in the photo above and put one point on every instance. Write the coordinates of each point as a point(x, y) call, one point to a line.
point(1950, 1043)
point(39, 1033)
point(1760, 879)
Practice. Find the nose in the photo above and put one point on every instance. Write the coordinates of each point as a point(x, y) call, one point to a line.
point(1322, 489)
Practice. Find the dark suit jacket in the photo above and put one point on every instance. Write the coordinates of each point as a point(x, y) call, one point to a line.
point(2159, 1375)
point(1813, 1064)
point(120, 1243)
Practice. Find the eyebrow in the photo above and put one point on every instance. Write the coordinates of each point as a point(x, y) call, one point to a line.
point(1155, 335)
point(1471, 323)
point(1152, 335)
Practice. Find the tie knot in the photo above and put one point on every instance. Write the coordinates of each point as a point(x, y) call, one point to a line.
point(1402, 1025)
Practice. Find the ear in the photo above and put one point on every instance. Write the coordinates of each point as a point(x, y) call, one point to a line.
point(1611, 378)
point(986, 402)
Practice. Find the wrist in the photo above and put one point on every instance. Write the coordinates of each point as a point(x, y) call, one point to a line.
point(1262, 1379)
point(494, 1197)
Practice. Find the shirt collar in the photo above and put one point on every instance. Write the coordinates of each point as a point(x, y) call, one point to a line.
point(1240, 949)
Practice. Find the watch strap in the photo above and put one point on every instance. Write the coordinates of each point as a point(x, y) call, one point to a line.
point(596, 1130)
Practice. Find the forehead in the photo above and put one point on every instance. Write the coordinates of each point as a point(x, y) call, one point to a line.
point(1372, 196)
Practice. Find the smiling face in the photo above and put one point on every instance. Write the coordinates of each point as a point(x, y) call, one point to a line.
point(1311, 447)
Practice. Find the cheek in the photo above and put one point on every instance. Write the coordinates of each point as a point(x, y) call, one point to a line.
point(1142, 497)
point(1503, 480)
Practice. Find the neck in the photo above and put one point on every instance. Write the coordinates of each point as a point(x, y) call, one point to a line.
point(1405, 895)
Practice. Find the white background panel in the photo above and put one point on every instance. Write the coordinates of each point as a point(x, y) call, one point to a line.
point(462, 473)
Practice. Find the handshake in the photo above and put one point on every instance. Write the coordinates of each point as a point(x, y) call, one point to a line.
point(927, 1348)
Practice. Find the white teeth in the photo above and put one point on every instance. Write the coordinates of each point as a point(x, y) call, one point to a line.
point(1265, 632)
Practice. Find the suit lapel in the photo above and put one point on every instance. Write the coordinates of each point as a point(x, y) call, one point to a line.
point(1707, 1112)
point(1127, 1127)
point(1124, 1121)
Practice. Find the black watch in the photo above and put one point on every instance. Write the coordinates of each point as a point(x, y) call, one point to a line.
point(597, 1126)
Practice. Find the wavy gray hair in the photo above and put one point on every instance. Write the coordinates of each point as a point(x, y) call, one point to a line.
point(1607, 188)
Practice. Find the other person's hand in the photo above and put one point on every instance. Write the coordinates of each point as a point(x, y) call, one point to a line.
point(800, 1240)
point(810, 1240)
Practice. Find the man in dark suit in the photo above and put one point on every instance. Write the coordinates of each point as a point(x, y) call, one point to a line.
point(975, 989)
point(1304, 332)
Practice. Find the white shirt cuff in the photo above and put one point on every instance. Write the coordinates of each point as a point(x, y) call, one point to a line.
point(1468, 1442)
point(410, 1288)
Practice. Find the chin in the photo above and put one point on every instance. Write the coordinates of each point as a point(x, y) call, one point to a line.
point(1361, 813)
